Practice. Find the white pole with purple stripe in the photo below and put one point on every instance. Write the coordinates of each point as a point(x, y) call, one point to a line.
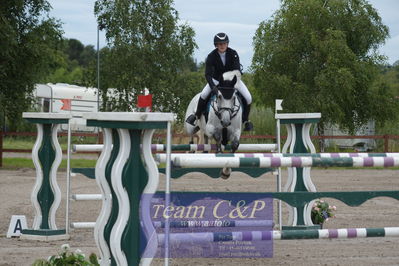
point(201, 161)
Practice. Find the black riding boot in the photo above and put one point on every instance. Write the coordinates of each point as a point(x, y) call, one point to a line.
point(200, 109)
point(248, 126)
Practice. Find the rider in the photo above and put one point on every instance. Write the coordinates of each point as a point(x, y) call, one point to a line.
point(220, 60)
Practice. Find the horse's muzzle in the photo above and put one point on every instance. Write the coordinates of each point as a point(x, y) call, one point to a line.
point(225, 123)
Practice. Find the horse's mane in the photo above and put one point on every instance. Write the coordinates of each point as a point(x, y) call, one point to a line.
point(230, 75)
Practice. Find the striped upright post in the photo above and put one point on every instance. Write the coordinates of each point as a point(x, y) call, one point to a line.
point(46, 194)
point(298, 141)
point(126, 169)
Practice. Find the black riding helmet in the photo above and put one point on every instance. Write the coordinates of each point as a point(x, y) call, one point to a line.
point(220, 38)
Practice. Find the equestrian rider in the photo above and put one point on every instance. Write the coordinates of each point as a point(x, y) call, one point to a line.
point(220, 60)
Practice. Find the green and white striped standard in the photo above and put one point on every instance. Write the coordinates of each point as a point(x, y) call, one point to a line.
point(211, 161)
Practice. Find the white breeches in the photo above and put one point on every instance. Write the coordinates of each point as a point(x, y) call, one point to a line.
point(240, 86)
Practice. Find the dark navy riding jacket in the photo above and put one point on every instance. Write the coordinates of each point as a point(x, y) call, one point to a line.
point(214, 67)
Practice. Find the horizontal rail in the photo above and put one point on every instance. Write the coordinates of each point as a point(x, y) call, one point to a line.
point(182, 147)
point(81, 134)
point(87, 147)
point(210, 161)
point(194, 224)
point(20, 150)
point(64, 134)
point(83, 225)
point(268, 235)
point(80, 197)
point(162, 157)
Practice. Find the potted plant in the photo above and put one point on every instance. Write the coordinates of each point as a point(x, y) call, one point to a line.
point(67, 257)
point(321, 212)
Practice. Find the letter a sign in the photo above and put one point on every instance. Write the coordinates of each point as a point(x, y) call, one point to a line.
point(18, 222)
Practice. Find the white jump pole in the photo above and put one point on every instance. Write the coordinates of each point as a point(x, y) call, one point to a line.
point(87, 147)
point(83, 225)
point(192, 147)
point(80, 197)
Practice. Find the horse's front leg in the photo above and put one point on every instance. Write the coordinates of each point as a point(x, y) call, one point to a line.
point(218, 138)
point(226, 171)
point(235, 143)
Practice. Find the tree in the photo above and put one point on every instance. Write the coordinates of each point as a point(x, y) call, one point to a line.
point(72, 63)
point(80, 53)
point(74, 49)
point(321, 56)
point(28, 41)
point(390, 75)
point(88, 55)
point(148, 49)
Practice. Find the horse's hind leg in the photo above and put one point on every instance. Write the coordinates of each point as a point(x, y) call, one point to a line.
point(225, 173)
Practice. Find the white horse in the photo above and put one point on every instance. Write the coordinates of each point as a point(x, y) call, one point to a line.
point(224, 117)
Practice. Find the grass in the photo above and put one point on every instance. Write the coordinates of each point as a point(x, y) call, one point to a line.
point(28, 142)
point(9, 143)
point(263, 120)
point(14, 163)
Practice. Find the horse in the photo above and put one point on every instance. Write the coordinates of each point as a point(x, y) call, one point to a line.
point(223, 123)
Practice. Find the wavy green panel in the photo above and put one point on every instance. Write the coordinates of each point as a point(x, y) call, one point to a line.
point(45, 195)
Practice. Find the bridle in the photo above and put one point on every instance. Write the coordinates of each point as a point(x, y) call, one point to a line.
point(233, 110)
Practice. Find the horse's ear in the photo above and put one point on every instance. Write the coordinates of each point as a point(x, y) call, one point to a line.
point(234, 80)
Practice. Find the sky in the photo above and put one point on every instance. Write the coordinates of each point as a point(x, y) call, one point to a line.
point(238, 18)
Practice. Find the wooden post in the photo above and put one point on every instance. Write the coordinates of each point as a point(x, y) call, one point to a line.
point(100, 137)
point(386, 142)
point(1, 148)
